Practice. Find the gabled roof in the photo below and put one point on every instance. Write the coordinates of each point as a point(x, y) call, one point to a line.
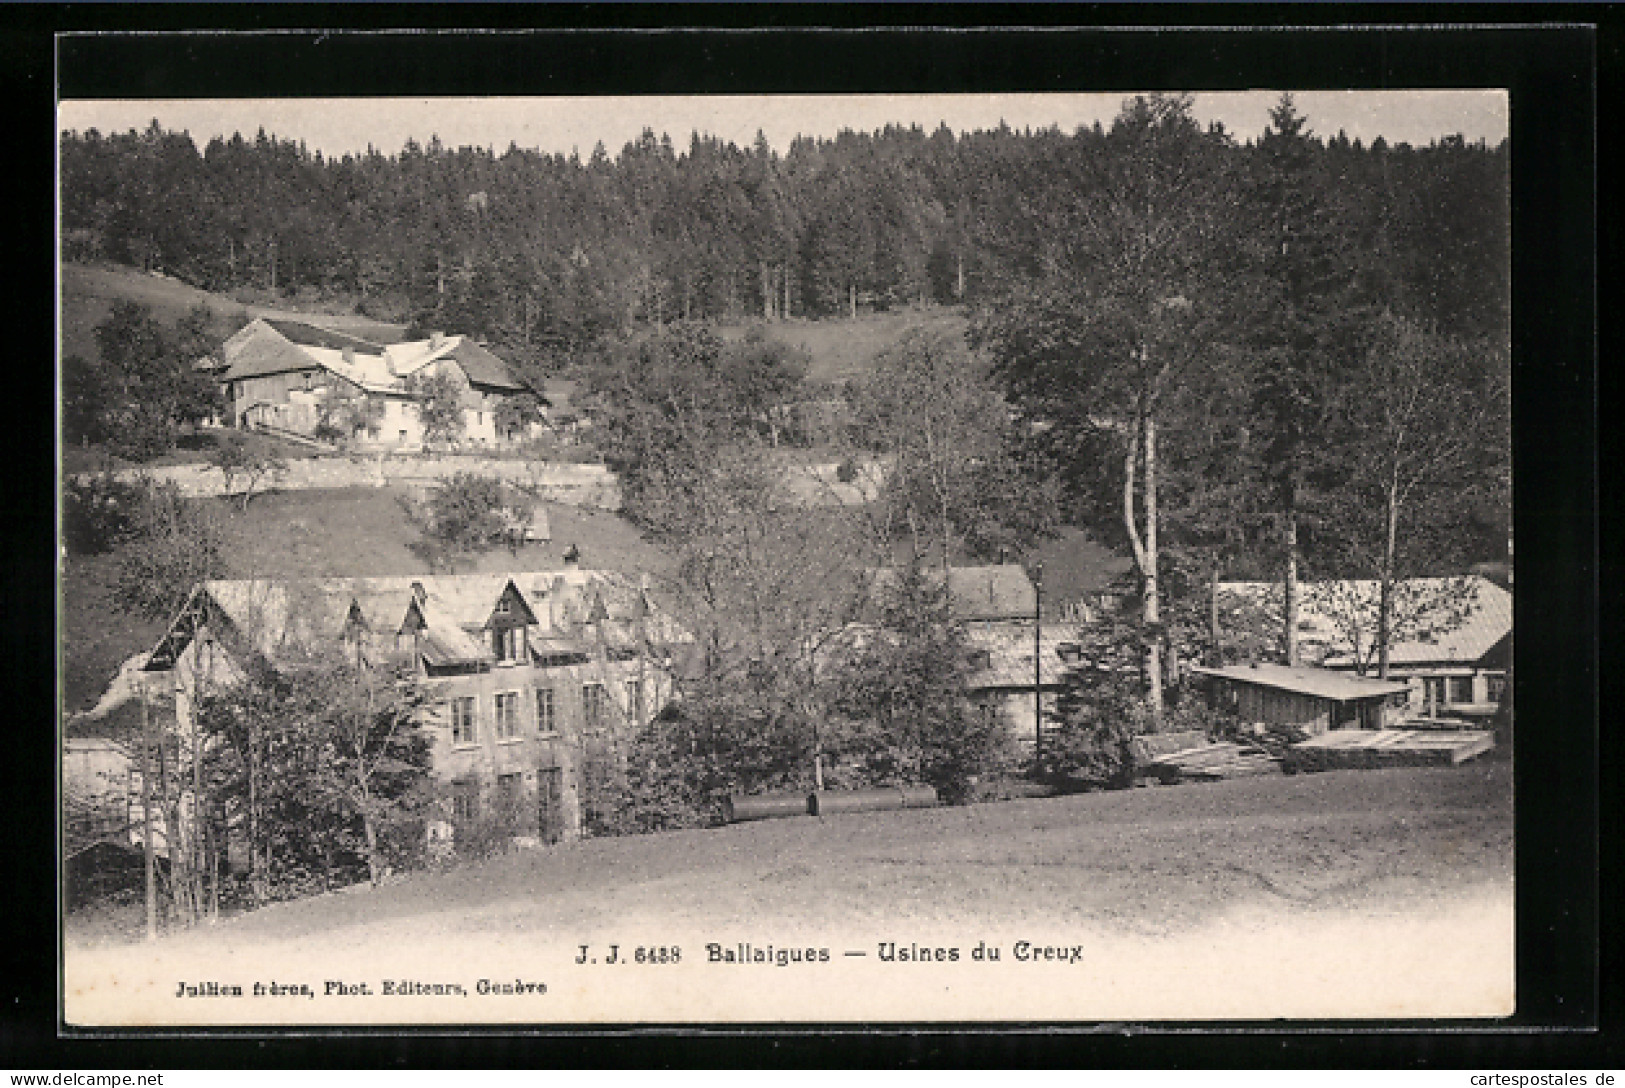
point(285, 618)
point(1000, 591)
point(1457, 619)
point(483, 368)
point(1319, 683)
point(315, 336)
point(258, 349)
point(276, 345)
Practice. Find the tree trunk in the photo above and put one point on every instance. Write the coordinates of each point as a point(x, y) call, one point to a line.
point(146, 818)
point(1385, 592)
point(852, 299)
point(1216, 656)
point(1153, 612)
point(786, 311)
point(959, 282)
point(1289, 607)
point(258, 867)
point(767, 292)
point(375, 870)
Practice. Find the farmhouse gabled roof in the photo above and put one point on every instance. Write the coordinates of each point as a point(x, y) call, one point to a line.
point(1319, 683)
point(274, 345)
point(482, 367)
point(316, 336)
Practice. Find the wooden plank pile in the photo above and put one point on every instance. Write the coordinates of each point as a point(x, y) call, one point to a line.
point(1343, 749)
point(1209, 762)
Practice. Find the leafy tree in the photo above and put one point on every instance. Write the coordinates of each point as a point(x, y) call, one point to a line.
point(439, 404)
point(326, 762)
point(1426, 428)
point(152, 385)
point(172, 544)
point(98, 510)
point(87, 400)
point(1111, 353)
point(247, 458)
point(470, 513)
point(347, 413)
point(955, 481)
point(518, 413)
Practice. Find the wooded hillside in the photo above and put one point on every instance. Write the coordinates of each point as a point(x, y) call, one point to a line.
point(542, 253)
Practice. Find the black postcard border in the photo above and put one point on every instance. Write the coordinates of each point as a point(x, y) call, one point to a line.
point(1547, 55)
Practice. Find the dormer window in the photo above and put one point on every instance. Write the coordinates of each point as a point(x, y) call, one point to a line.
point(510, 644)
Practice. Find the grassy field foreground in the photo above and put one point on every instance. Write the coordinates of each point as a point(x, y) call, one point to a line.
point(1350, 893)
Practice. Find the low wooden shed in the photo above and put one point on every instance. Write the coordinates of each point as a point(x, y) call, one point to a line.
point(1313, 700)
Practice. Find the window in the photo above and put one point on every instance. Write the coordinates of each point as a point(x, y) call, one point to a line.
point(1496, 688)
point(545, 721)
point(509, 643)
point(634, 700)
point(510, 793)
point(464, 729)
point(507, 717)
point(465, 801)
point(1461, 689)
point(594, 705)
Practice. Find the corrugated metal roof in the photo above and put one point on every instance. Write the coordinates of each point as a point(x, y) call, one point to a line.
point(1456, 619)
point(1320, 683)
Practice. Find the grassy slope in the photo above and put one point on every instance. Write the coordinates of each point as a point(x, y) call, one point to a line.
point(89, 291)
point(1141, 861)
point(843, 349)
point(353, 531)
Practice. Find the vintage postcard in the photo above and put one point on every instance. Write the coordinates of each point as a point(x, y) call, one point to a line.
point(762, 559)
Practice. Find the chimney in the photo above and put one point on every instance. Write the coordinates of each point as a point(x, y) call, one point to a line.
point(437, 339)
point(539, 602)
point(349, 355)
point(555, 604)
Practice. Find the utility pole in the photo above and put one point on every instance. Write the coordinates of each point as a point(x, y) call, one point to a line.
point(146, 816)
point(1038, 664)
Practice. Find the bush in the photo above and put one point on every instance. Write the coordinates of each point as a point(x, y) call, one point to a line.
point(472, 513)
point(174, 543)
point(246, 458)
point(98, 511)
point(847, 471)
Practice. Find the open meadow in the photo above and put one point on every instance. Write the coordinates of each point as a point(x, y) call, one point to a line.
point(1359, 894)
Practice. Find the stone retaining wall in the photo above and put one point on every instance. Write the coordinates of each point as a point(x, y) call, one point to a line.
point(576, 485)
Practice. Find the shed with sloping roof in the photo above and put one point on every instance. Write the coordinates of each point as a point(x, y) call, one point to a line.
point(1308, 699)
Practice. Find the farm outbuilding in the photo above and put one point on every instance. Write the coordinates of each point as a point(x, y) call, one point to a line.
point(1313, 700)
